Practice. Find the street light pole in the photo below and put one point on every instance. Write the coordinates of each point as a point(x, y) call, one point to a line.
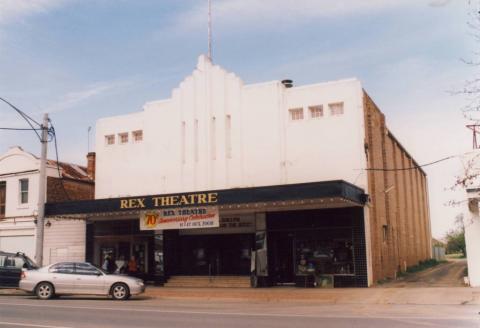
point(42, 191)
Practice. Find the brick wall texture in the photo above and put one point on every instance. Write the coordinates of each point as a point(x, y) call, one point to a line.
point(71, 190)
point(399, 214)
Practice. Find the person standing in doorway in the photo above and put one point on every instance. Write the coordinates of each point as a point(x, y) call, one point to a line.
point(105, 263)
point(132, 266)
point(111, 266)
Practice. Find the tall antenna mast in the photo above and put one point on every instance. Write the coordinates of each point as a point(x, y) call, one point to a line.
point(210, 30)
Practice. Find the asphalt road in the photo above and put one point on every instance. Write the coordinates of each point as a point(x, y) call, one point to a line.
point(18, 311)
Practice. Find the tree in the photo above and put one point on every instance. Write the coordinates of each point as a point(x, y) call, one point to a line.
point(471, 88)
point(455, 238)
point(470, 175)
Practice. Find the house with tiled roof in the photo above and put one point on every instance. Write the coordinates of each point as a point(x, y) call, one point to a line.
point(19, 178)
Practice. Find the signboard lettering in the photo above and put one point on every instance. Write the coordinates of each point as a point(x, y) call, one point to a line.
point(170, 200)
point(180, 218)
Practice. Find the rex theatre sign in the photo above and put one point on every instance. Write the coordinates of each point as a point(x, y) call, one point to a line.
point(180, 218)
point(153, 202)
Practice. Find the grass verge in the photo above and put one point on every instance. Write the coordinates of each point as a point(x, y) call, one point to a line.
point(422, 265)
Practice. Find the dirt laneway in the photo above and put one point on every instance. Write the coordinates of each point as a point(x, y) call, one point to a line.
point(448, 274)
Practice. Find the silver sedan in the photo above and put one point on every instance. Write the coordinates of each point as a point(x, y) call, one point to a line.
point(69, 278)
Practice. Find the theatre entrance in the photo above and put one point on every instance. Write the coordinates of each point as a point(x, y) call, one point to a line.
point(281, 257)
point(215, 255)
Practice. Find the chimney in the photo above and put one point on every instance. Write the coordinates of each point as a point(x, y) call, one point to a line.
point(91, 165)
point(287, 83)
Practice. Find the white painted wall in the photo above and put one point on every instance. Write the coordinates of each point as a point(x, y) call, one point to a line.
point(17, 230)
point(64, 240)
point(471, 217)
point(472, 240)
point(265, 148)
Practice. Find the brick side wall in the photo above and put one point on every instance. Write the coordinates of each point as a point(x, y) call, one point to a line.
point(75, 189)
point(399, 217)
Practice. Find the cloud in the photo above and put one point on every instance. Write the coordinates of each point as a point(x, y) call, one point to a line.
point(439, 3)
point(267, 11)
point(12, 10)
point(75, 98)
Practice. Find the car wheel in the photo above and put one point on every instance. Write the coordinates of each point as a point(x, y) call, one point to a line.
point(45, 291)
point(120, 291)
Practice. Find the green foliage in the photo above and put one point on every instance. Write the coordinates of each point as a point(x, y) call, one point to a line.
point(456, 238)
point(422, 265)
point(437, 243)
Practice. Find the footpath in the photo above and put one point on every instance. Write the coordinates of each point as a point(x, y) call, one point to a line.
point(410, 296)
point(439, 285)
point(404, 296)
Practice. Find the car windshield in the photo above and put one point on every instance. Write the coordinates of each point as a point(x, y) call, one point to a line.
point(30, 263)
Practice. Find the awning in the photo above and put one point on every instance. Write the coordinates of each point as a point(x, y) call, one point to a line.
point(330, 193)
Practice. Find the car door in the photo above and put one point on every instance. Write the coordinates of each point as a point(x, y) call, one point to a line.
point(11, 272)
point(89, 280)
point(5, 275)
point(63, 277)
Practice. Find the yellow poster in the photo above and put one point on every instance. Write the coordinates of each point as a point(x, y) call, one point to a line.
point(180, 218)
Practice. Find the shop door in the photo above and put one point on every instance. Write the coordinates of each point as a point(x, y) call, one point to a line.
point(282, 258)
point(216, 254)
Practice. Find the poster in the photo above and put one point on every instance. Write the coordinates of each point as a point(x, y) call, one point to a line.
point(180, 218)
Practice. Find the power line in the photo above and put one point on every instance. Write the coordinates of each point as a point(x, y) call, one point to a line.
point(24, 115)
point(21, 129)
point(27, 118)
point(413, 167)
point(53, 135)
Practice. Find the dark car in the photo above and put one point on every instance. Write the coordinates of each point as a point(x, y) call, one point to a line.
point(11, 266)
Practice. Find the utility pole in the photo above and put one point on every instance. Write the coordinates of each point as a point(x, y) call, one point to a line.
point(42, 191)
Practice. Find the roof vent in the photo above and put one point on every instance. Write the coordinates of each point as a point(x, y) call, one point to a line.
point(287, 83)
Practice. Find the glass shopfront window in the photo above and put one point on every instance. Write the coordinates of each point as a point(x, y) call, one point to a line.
point(324, 256)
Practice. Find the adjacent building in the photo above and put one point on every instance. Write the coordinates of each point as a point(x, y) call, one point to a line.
point(285, 184)
point(471, 213)
point(19, 178)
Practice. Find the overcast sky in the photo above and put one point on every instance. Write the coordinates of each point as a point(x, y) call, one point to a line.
point(81, 60)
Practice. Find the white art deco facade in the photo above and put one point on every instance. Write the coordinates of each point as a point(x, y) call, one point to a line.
point(283, 165)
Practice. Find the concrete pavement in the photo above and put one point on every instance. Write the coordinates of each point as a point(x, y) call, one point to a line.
point(422, 296)
point(399, 296)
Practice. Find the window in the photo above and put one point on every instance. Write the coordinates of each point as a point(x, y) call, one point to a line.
point(332, 254)
point(110, 139)
point(385, 233)
point(123, 138)
point(3, 259)
point(10, 262)
point(16, 262)
point(62, 268)
point(137, 136)
point(316, 111)
point(23, 191)
point(3, 198)
point(336, 109)
point(296, 114)
point(86, 269)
